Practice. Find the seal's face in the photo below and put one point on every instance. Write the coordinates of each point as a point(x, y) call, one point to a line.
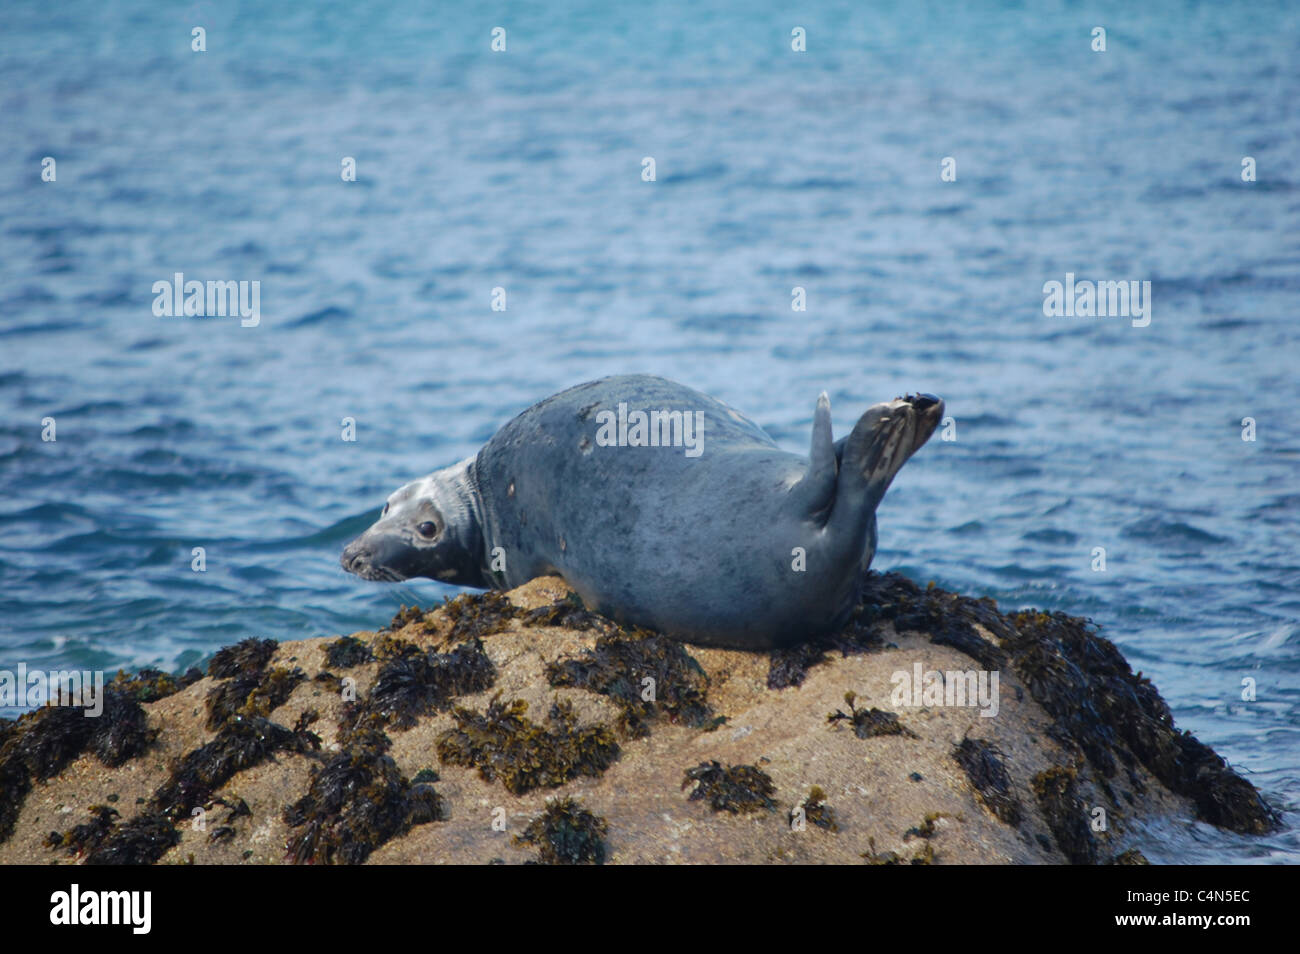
point(425, 529)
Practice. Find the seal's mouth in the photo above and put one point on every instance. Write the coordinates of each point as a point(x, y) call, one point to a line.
point(908, 422)
point(928, 413)
point(362, 558)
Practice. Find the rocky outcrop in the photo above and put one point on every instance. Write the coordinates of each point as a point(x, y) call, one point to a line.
point(519, 727)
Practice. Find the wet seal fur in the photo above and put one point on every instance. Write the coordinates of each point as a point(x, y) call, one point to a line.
point(698, 541)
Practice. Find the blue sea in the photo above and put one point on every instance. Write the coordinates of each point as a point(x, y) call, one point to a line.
point(774, 169)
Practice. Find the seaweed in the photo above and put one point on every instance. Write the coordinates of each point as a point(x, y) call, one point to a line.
point(347, 652)
point(87, 836)
point(874, 857)
point(248, 655)
point(738, 789)
point(788, 666)
point(816, 811)
point(1065, 815)
point(947, 618)
point(42, 743)
point(406, 615)
point(357, 802)
point(48, 739)
point(869, 722)
point(241, 743)
point(475, 615)
point(1086, 685)
point(238, 809)
point(251, 692)
point(567, 834)
point(923, 857)
point(568, 613)
point(927, 828)
point(502, 743)
point(413, 682)
point(983, 765)
point(1130, 857)
point(141, 841)
point(618, 667)
point(150, 685)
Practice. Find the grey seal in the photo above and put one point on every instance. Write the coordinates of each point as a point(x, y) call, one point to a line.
point(661, 507)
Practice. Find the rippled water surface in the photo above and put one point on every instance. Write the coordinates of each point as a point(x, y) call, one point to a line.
point(775, 169)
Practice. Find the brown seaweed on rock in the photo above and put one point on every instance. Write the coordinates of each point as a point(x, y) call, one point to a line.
point(1065, 814)
point(413, 682)
point(476, 615)
point(42, 743)
point(356, 802)
point(1084, 682)
point(250, 655)
point(947, 618)
point(502, 743)
point(347, 652)
point(738, 789)
point(566, 834)
point(623, 666)
point(983, 765)
point(869, 722)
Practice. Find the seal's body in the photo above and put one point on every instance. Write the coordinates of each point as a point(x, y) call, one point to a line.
point(662, 507)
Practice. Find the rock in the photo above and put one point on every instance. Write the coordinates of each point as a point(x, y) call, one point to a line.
point(520, 728)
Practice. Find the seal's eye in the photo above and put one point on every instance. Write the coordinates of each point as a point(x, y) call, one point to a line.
point(385, 513)
point(428, 529)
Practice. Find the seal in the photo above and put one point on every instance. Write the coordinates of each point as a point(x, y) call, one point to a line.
point(662, 508)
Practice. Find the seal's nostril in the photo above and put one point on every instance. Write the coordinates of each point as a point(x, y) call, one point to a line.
point(924, 401)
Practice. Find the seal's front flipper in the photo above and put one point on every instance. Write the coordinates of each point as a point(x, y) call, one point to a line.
point(815, 493)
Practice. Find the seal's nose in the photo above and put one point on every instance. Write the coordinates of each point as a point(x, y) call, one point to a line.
point(923, 402)
point(350, 557)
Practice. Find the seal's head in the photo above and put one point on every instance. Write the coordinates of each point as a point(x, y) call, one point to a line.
point(427, 528)
point(898, 428)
